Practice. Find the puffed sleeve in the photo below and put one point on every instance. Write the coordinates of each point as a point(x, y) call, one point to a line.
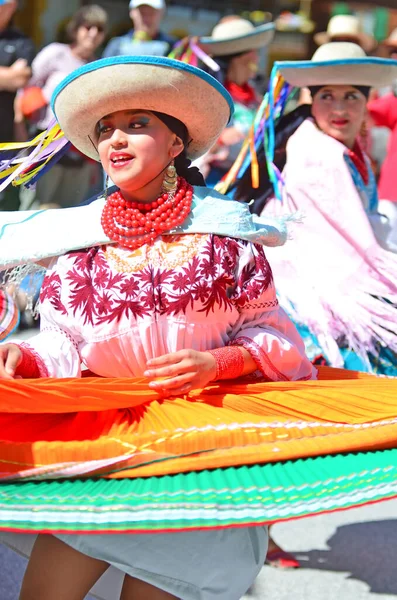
point(263, 328)
point(54, 352)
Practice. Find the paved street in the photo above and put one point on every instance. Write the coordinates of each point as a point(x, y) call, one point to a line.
point(345, 556)
point(348, 555)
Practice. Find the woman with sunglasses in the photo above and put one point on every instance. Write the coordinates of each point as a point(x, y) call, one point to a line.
point(85, 32)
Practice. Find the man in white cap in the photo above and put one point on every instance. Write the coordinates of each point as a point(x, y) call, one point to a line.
point(145, 38)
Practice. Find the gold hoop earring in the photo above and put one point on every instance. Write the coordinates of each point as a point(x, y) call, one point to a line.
point(170, 181)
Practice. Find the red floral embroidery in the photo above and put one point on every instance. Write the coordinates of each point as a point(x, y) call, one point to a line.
point(51, 290)
point(255, 277)
point(226, 273)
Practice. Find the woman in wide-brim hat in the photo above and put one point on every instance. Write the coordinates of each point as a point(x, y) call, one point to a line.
point(160, 288)
point(237, 36)
point(327, 178)
point(166, 285)
point(345, 241)
point(235, 44)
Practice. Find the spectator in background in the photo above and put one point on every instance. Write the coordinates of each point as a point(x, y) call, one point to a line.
point(16, 55)
point(234, 44)
point(383, 147)
point(383, 113)
point(346, 28)
point(342, 28)
point(68, 182)
point(146, 36)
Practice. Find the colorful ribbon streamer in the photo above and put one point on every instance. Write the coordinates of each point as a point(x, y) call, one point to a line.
point(262, 132)
point(27, 161)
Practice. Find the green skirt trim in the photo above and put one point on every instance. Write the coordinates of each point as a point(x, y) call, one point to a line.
point(260, 494)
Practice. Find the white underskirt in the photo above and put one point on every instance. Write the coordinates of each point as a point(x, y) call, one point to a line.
point(197, 565)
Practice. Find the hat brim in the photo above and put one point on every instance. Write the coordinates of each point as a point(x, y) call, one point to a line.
point(259, 38)
point(371, 72)
point(367, 42)
point(147, 83)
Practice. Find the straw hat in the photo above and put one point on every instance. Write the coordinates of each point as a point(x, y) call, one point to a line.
point(347, 27)
point(339, 63)
point(141, 82)
point(391, 41)
point(236, 36)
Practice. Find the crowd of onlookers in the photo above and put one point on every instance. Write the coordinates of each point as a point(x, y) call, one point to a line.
point(27, 81)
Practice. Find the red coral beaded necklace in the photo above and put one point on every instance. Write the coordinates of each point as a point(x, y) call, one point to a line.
point(133, 224)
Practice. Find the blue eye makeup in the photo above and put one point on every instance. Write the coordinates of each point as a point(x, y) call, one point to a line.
point(102, 128)
point(139, 121)
point(133, 121)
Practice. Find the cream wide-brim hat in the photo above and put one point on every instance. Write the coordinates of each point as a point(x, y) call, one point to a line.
point(346, 26)
point(339, 63)
point(149, 83)
point(236, 37)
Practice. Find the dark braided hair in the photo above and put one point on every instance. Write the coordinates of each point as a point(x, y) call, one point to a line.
point(182, 162)
point(192, 175)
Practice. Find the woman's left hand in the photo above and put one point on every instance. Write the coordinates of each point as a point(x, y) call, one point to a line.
point(183, 371)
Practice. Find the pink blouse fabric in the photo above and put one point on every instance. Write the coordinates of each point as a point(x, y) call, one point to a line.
point(113, 309)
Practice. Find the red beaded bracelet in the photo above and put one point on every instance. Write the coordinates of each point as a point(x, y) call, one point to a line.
point(229, 362)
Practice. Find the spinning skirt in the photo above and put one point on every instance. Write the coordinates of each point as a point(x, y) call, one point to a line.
point(108, 455)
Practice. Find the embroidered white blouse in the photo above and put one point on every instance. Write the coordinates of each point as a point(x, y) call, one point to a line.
point(113, 309)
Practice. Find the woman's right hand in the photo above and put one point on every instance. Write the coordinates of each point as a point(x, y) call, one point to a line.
point(10, 358)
